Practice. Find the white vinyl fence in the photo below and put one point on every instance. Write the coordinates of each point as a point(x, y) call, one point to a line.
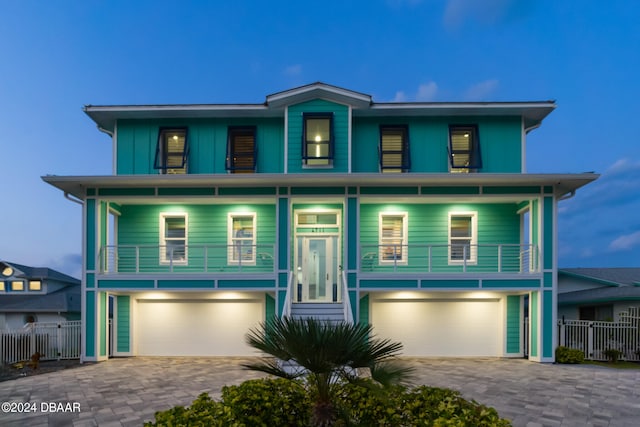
point(594, 338)
point(54, 341)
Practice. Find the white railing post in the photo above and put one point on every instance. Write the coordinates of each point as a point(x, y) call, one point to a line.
point(590, 343)
point(500, 258)
point(464, 258)
point(137, 259)
point(206, 258)
point(429, 258)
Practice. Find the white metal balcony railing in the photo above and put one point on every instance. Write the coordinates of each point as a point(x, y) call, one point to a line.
point(424, 258)
point(149, 259)
point(387, 258)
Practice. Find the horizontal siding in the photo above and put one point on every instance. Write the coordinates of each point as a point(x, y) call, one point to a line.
point(137, 140)
point(428, 224)
point(207, 225)
point(500, 142)
point(340, 129)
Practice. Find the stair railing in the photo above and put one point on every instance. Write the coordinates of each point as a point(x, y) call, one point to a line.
point(286, 309)
point(346, 301)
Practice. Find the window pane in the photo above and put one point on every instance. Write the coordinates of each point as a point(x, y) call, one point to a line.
point(241, 150)
point(243, 227)
point(318, 129)
point(17, 286)
point(461, 249)
point(35, 285)
point(175, 227)
point(392, 227)
point(171, 151)
point(460, 226)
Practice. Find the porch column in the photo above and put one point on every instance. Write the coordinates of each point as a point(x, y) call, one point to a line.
point(283, 249)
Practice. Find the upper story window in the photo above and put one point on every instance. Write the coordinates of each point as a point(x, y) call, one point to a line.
point(463, 237)
point(173, 238)
point(394, 149)
point(17, 285)
point(464, 149)
point(393, 238)
point(2, 286)
point(241, 149)
point(35, 285)
point(317, 139)
point(242, 243)
point(172, 151)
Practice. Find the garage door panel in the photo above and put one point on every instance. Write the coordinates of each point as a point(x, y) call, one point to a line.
point(440, 328)
point(195, 328)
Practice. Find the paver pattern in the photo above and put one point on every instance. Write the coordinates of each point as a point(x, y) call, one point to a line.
point(128, 391)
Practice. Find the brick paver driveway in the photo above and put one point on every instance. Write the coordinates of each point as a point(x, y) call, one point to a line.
point(127, 392)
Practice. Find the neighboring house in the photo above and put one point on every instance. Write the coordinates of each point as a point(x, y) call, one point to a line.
point(597, 293)
point(420, 216)
point(36, 294)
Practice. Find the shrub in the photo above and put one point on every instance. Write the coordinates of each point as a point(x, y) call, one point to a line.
point(278, 402)
point(266, 402)
point(569, 355)
point(613, 355)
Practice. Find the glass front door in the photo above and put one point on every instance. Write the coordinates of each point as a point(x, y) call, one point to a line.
point(316, 268)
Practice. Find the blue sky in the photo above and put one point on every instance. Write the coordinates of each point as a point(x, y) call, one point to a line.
point(59, 56)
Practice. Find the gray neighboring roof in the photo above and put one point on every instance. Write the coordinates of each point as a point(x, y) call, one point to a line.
point(42, 273)
point(64, 300)
point(618, 284)
point(608, 276)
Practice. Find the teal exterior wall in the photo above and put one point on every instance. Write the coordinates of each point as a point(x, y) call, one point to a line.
point(513, 324)
point(500, 145)
point(428, 224)
point(207, 225)
point(123, 322)
point(90, 323)
point(534, 318)
point(340, 134)
point(137, 140)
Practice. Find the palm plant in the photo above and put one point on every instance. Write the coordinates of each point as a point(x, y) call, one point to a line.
point(325, 353)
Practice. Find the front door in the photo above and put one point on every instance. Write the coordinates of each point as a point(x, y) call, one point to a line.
point(316, 269)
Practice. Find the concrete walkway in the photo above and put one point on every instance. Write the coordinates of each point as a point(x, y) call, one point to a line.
point(127, 392)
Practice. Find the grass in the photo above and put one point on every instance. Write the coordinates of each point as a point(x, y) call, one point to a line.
point(621, 364)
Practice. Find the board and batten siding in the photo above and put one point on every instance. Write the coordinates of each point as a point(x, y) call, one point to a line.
point(340, 136)
point(137, 141)
point(207, 225)
point(123, 322)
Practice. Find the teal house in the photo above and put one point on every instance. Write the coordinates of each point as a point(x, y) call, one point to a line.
point(419, 218)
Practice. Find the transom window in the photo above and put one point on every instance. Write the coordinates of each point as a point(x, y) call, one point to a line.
point(242, 241)
point(172, 151)
point(241, 149)
point(393, 238)
point(394, 149)
point(464, 149)
point(173, 238)
point(317, 139)
point(463, 237)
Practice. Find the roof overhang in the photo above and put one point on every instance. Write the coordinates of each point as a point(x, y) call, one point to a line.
point(106, 116)
point(562, 184)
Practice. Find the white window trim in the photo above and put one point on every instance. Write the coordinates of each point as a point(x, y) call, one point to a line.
point(230, 243)
point(473, 256)
point(405, 239)
point(163, 242)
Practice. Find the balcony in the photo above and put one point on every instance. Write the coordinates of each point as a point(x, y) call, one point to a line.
point(450, 259)
point(190, 259)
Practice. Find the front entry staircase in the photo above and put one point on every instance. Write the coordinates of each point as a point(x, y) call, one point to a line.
point(332, 311)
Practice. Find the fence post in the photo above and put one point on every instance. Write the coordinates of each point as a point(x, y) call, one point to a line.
point(60, 343)
point(561, 336)
point(590, 343)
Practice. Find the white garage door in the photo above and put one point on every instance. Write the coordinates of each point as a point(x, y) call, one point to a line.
point(440, 328)
point(195, 328)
